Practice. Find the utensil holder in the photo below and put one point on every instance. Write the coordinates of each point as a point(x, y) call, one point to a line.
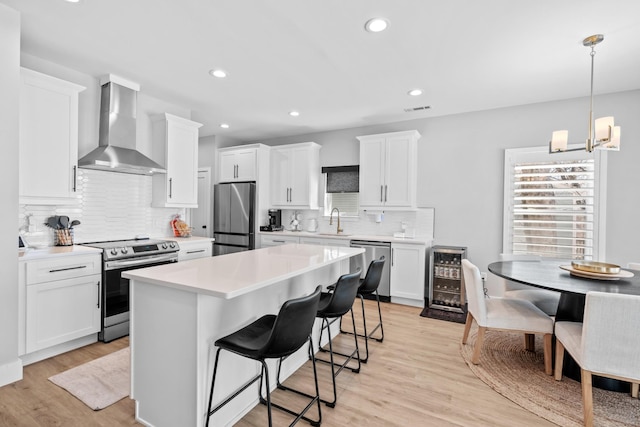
point(63, 237)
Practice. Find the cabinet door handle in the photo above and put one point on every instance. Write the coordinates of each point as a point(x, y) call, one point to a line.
point(278, 241)
point(98, 304)
point(381, 189)
point(385, 193)
point(170, 187)
point(68, 268)
point(195, 252)
point(393, 257)
point(75, 178)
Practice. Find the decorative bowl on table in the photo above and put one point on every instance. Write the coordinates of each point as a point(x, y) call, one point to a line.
point(596, 267)
point(596, 270)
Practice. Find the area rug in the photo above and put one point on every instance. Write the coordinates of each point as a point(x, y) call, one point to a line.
point(519, 376)
point(99, 383)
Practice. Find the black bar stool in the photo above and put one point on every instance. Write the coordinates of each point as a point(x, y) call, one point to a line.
point(335, 304)
point(368, 286)
point(272, 337)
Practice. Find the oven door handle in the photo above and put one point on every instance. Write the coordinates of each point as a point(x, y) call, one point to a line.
point(113, 265)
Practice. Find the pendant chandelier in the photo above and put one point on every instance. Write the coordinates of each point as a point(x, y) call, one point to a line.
point(603, 134)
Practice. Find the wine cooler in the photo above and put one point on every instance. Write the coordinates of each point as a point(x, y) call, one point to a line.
point(447, 283)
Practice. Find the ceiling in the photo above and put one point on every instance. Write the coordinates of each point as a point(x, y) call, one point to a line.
point(315, 57)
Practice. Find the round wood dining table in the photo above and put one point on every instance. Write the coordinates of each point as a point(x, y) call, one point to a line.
point(547, 274)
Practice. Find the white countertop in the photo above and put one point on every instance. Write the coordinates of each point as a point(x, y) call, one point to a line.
point(186, 239)
point(186, 242)
point(232, 275)
point(372, 237)
point(55, 251)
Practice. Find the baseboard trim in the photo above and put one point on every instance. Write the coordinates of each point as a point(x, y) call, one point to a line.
point(11, 372)
point(55, 350)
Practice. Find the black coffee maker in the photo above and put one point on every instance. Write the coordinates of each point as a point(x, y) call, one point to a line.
point(275, 221)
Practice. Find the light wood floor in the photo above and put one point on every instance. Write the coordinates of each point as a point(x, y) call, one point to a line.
point(416, 377)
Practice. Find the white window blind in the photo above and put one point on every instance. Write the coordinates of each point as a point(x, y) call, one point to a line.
point(552, 204)
point(347, 203)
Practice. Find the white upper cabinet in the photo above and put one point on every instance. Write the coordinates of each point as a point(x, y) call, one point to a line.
point(176, 142)
point(238, 164)
point(388, 170)
point(48, 139)
point(295, 174)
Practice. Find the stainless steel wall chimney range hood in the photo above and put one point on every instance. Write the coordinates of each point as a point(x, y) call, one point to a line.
point(116, 150)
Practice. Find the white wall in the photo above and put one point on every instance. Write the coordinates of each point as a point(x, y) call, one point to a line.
point(460, 167)
point(207, 151)
point(469, 148)
point(10, 365)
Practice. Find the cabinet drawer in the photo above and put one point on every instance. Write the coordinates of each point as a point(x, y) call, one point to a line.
point(195, 251)
point(63, 268)
point(326, 242)
point(277, 240)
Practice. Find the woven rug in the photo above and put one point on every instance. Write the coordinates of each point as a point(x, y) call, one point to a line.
point(99, 383)
point(519, 376)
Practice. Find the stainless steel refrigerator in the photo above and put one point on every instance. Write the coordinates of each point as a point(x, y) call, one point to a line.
point(233, 217)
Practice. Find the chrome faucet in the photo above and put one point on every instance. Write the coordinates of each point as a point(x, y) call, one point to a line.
point(339, 230)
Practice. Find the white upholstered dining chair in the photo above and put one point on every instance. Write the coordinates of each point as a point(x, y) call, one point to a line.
point(546, 300)
point(505, 314)
point(606, 343)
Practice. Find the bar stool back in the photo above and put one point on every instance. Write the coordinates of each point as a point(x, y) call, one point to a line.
point(272, 337)
point(369, 285)
point(334, 305)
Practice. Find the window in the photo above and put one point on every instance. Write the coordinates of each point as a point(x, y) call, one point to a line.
point(554, 203)
point(347, 203)
point(341, 190)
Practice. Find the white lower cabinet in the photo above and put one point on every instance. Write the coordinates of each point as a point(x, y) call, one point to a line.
point(194, 249)
point(408, 262)
point(59, 302)
point(61, 311)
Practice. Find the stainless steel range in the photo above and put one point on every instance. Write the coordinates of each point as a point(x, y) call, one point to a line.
point(119, 256)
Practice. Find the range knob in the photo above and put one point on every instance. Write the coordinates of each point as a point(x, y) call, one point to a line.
point(164, 246)
point(124, 250)
point(114, 251)
point(172, 244)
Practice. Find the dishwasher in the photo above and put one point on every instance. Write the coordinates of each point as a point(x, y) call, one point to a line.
point(374, 250)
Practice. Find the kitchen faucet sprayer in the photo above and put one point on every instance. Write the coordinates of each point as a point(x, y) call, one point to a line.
point(338, 230)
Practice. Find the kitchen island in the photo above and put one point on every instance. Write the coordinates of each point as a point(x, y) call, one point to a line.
point(179, 310)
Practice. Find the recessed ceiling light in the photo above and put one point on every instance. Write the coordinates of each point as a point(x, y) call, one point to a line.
point(224, 126)
point(218, 73)
point(375, 25)
point(415, 92)
point(294, 113)
point(73, 1)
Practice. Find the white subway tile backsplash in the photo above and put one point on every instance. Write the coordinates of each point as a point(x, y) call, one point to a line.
point(419, 223)
point(111, 206)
